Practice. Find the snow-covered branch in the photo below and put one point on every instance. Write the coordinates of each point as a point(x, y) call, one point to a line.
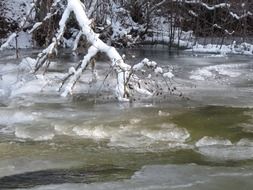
point(236, 16)
point(76, 7)
point(128, 80)
point(7, 43)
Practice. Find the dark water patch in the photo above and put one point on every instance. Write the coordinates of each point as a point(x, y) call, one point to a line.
point(61, 176)
point(247, 83)
point(2, 105)
point(215, 121)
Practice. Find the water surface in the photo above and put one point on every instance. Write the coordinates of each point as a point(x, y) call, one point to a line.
point(82, 142)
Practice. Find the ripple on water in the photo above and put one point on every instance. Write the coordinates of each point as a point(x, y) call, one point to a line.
point(158, 177)
point(7, 130)
point(248, 127)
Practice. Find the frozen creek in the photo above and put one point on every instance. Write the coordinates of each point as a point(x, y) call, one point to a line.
point(50, 142)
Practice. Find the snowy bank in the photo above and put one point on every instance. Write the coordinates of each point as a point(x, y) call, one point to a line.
point(237, 49)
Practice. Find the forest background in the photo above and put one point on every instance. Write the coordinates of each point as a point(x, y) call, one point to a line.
point(127, 23)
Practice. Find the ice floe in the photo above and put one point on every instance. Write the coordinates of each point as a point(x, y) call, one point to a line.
point(223, 149)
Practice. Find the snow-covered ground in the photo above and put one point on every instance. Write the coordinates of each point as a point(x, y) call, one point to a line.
point(17, 10)
point(222, 50)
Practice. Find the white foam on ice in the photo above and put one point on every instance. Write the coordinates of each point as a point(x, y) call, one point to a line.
point(243, 48)
point(201, 74)
point(16, 80)
point(245, 142)
point(97, 132)
point(134, 121)
point(35, 133)
point(223, 149)
point(247, 127)
point(209, 141)
point(167, 136)
point(211, 72)
point(167, 133)
point(163, 114)
point(227, 153)
point(27, 64)
point(29, 87)
point(64, 129)
point(129, 135)
point(9, 117)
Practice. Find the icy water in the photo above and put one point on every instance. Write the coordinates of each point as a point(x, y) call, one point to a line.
point(205, 142)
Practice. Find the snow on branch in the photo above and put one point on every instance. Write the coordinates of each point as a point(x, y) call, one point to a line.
point(76, 7)
point(213, 7)
point(209, 7)
point(221, 5)
point(150, 79)
point(97, 45)
point(236, 16)
point(38, 24)
point(7, 43)
point(48, 52)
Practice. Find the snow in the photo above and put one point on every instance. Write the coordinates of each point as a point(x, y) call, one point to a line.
point(207, 6)
point(97, 45)
point(225, 152)
point(7, 43)
point(35, 26)
point(158, 70)
point(19, 8)
point(77, 39)
point(146, 63)
point(193, 13)
point(215, 71)
point(24, 40)
point(9, 118)
point(242, 49)
point(129, 135)
point(236, 16)
point(221, 5)
point(209, 141)
point(120, 28)
point(27, 64)
point(36, 134)
point(168, 75)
